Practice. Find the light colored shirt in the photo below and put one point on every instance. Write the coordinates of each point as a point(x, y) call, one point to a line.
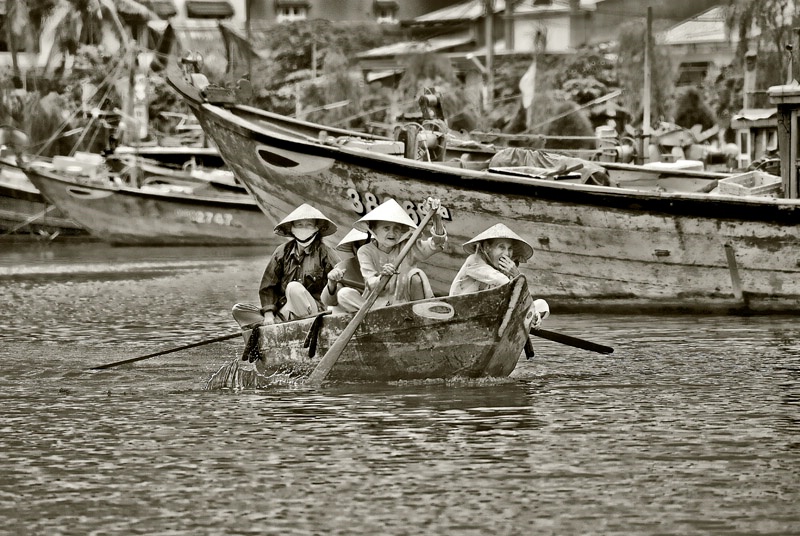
point(372, 260)
point(477, 274)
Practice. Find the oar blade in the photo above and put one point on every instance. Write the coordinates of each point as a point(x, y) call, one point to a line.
point(572, 341)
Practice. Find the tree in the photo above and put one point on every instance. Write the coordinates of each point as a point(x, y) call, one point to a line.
point(71, 23)
point(690, 110)
point(16, 27)
point(762, 24)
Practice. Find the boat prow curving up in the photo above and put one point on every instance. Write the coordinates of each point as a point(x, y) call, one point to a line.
point(467, 336)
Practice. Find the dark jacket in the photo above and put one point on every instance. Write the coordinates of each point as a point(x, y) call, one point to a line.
point(287, 264)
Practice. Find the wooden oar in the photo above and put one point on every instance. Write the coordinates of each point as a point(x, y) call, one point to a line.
point(322, 369)
point(185, 347)
point(572, 341)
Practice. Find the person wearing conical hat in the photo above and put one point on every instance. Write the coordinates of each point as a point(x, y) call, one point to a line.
point(389, 226)
point(494, 257)
point(296, 273)
point(342, 294)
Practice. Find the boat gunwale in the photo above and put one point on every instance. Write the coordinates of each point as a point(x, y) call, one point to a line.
point(246, 202)
point(720, 207)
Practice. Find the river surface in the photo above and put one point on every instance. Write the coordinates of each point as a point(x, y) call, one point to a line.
point(692, 425)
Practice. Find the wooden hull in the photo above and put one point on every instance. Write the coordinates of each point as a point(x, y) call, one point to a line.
point(469, 336)
point(23, 209)
point(601, 249)
point(131, 216)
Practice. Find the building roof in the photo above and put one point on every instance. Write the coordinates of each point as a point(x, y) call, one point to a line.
point(707, 27)
point(528, 8)
point(470, 10)
point(755, 118)
point(435, 44)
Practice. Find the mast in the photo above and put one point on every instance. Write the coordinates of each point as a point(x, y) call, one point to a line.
point(489, 24)
point(645, 152)
point(249, 5)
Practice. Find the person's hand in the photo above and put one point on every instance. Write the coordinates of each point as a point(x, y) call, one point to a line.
point(336, 275)
point(537, 321)
point(508, 267)
point(432, 203)
point(269, 319)
point(388, 269)
point(541, 310)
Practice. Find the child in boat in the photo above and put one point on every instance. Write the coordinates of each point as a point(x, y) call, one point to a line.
point(342, 294)
point(494, 257)
point(389, 226)
point(296, 273)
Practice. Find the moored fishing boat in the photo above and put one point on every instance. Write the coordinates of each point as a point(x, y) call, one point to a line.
point(469, 336)
point(161, 214)
point(144, 171)
point(23, 209)
point(609, 248)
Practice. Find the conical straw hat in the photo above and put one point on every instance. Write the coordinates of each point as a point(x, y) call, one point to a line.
point(389, 210)
point(354, 235)
point(305, 212)
point(521, 248)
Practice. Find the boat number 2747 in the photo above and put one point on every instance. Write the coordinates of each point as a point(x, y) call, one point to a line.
point(363, 202)
point(205, 216)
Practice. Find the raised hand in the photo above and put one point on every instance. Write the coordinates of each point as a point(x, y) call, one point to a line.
point(508, 267)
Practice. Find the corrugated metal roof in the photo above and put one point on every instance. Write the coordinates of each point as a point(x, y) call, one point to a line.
point(163, 8)
point(471, 10)
point(414, 47)
point(755, 114)
point(209, 9)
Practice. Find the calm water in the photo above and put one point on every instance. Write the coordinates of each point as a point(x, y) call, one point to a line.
point(692, 426)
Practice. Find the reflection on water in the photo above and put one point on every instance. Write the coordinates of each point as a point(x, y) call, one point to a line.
point(690, 427)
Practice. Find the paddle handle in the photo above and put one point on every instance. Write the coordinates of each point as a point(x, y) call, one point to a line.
point(185, 347)
point(572, 341)
point(325, 365)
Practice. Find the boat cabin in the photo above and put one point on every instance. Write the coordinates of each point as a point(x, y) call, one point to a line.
point(787, 100)
point(756, 134)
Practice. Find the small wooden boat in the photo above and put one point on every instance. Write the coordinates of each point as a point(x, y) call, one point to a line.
point(23, 209)
point(468, 336)
point(160, 214)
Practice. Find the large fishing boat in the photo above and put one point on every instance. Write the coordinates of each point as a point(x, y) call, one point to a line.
point(636, 241)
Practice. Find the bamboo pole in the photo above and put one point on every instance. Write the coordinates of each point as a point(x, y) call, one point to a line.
point(645, 149)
